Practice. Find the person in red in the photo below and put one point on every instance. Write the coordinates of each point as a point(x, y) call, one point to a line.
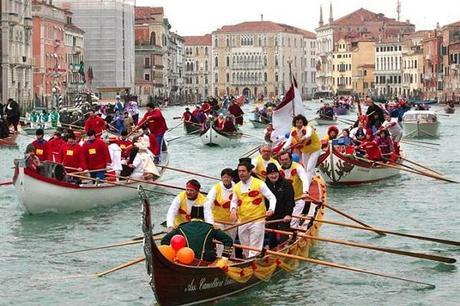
point(220, 121)
point(125, 144)
point(54, 147)
point(236, 111)
point(206, 108)
point(95, 155)
point(229, 127)
point(157, 126)
point(71, 153)
point(371, 147)
point(40, 145)
point(95, 123)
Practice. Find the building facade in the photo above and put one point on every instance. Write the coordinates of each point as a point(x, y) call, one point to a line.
point(433, 71)
point(175, 67)
point(388, 68)
point(257, 59)
point(451, 62)
point(75, 57)
point(109, 39)
point(341, 68)
point(49, 53)
point(16, 51)
point(412, 65)
point(359, 24)
point(197, 67)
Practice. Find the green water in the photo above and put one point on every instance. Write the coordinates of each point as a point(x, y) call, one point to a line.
point(31, 275)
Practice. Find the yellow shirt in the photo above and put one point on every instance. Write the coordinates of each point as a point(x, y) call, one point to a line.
point(291, 175)
point(312, 145)
point(251, 204)
point(221, 205)
point(183, 215)
point(261, 165)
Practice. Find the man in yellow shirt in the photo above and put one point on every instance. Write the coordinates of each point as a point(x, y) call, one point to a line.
point(248, 204)
point(262, 160)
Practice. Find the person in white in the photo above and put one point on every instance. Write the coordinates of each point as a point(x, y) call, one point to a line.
point(115, 156)
point(222, 192)
point(253, 233)
point(144, 167)
point(300, 183)
point(358, 133)
point(392, 125)
point(193, 197)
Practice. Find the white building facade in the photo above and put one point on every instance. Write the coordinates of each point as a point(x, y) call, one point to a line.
point(388, 68)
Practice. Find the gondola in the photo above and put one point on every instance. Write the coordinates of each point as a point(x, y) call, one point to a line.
point(341, 110)
point(191, 127)
point(324, 121)
point(178, 284)
point(258, 124)
point(213, 137)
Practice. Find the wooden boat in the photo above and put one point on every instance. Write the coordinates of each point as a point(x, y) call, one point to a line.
point(449, 109)
point(426, 102)
point(31, 130)
point(324, 121)
point(39, 193)
point(420, 123)
point(9, 141)
point(258, 124)
point(341, 110)
point(340, 169)
point(178, 284)
point(191, 127)
point(214, 137)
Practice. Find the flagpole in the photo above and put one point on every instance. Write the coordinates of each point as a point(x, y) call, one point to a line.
point(290, 79)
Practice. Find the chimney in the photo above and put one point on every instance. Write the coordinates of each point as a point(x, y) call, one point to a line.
point(321, 22)
point(261, 17)
point(331, 18)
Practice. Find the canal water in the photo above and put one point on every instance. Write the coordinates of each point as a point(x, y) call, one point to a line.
point(31, 275)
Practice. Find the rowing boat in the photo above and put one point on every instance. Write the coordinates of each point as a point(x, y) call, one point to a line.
point(191, 127)
point(341, 169)
point(177, 284)
point(48, 191)
point(449, 109)
point(341, 110)
point(33, 130)
point(420, 123)
point(258, 124)
point(324, 121)
point(214, 137)
point(9, 141)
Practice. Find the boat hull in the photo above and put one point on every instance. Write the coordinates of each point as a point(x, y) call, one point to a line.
point(319, 121)
point(449, 110)
point(191, 128)
point(416, 129)
point(176, 284)
point(9, 141)
point(211, 137)
point(258, 124)
point(338, 169)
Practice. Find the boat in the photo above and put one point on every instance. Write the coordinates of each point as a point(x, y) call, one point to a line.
point(420, 123)
point(258, 124)
point(178, 284)
point(323, 97)
point(191, 127)
point(214, 137)
point(341, 169)
point(426, 101)
point(9, 141)
point(341, 110)
point(48, 192)
point(32, 130)
point(324, 121)
point(449, 109)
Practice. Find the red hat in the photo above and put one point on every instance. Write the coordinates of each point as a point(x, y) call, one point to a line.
point(77, 134)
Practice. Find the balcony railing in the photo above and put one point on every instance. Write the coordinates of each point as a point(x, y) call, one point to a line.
point(251, 66)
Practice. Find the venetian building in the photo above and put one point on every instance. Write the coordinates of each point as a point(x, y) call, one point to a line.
point(451, 62)
point(75, 58)
point(389, 67)
point(197, 67)
point(254, 59)
point(16, 51)
point(359, 24)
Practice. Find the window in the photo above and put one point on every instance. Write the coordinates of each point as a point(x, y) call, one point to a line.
point(147, 77)
point(215, 42)
point(206, 79)
point(228, 77)
point(265, 77)
point(206, 65)
point(276, 76)
point(365, 72)
point(228, 61)
point(206, 50)
point(216, 61)
point(216, 78)
point(146, 62)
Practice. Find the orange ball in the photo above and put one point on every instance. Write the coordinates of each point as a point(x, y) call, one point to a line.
point(185, 256)
point(167, 252)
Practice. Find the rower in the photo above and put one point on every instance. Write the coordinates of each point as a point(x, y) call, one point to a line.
point(218, 199)
point(295, 173)
point(95, 123)
point(262, 160)
point(72, 156)
point(247, 204)
point(95, 155)
point(179, 211)
point(199, 236)
point(40, 145)
point(284, 193)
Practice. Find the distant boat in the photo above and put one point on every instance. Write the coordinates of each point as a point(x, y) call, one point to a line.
point(324, 121)
point(420, 123)
point(258, 124)
point(191, 127)
point(214, 137)
point(449, 109)
point(427, 101)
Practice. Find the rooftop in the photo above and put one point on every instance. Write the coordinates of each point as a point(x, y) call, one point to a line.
point(204, 40)
point(263, 27)
point(362, 15)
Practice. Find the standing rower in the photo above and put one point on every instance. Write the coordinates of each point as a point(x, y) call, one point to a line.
point(179, 211)
point(248, 204)
point(95, 123)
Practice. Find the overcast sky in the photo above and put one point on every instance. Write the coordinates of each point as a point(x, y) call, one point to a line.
point(199, 17)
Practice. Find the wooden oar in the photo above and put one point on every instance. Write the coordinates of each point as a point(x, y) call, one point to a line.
point(372, 247)
point(176, 126)
point(420, 165)
point(73, 126)
point(250, 152)
point(422, 142)
point(125, 265)
point(408, 170)
point(189, 172)
point(390, 232)
point(418, 145)
point(317, 201)
point(6, 183)
point(120, 184)
point(331, 264)
point(245, 222)
point(110, 246)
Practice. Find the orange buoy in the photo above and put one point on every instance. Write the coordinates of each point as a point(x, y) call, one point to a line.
point(167, 252)
point(185, 255)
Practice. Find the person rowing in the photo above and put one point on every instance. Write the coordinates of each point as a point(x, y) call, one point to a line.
point(262, 160)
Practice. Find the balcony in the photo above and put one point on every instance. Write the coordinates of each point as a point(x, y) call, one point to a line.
point(247, 82)
point(28, 22)
point(13, 19)
point(247, 66)
point(148, 48)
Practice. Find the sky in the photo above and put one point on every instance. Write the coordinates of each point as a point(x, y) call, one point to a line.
point(200, 17)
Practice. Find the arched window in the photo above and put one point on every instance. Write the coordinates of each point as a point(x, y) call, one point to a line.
point(228, 77)
point(153, 39)
point(276, 76)
point(206, 50)
point(196, 51)
point(276, 60)
point(216, 78)
point(228, 61)
point(191, 66)
point(215, 42)
point(206, 65)
point(265, 60)
point(265, 77)
point(197, 66)
point(233, 77)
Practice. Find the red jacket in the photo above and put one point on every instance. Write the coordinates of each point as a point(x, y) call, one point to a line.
point(155, 122)
point(125, 146)
point(72, 156)
point(95, 123)
point(372, 149)
point(54, 152)
point(41, 149)
point(236, 111)
point(95, 154)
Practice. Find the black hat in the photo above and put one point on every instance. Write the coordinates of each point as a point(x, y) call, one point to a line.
point(91, 133)
point(151, 105)
point(197, 212)
point(39, 132)
point(247, 161)
point(271, 167)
